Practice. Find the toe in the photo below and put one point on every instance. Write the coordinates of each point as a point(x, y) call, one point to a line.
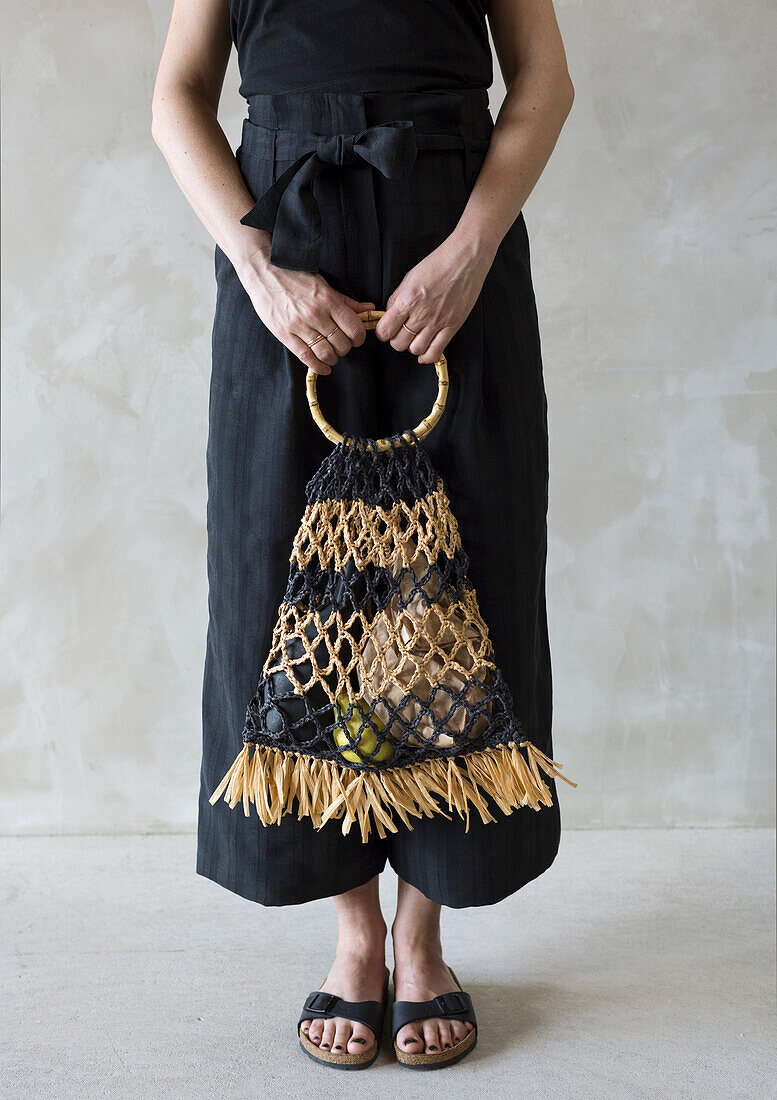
point(458, 1030)
point(315, 1030)
point(446, 1037)
point(431, 1036)
point(409, 1039)
point(305, 1027)
point(361, 1038)
point(328, 1036)
point(342, 1035)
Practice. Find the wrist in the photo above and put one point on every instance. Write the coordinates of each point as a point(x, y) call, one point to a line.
point(475, 243)
point(251, 254)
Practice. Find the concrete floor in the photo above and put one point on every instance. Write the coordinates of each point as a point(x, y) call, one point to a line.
point(641, 965)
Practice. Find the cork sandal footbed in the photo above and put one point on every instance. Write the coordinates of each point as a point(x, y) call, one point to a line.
point(436, 1059)
point(340, 1061)
point(439, 1058)
point(371, 1014)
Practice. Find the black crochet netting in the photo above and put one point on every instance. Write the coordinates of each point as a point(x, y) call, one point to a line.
point(465, 712)
point(357, 470)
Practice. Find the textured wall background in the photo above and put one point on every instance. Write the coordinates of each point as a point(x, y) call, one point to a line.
point(650, 233)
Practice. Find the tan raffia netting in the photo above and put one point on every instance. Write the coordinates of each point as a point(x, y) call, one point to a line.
point(418, 642)
point(336, 532)
point(380, 698)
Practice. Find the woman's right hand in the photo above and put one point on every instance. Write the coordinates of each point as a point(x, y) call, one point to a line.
point(297, 307)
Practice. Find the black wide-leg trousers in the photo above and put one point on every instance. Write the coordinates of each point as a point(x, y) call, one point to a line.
point(490, 447)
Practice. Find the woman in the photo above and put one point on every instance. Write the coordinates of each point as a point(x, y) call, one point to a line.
point(437, 240)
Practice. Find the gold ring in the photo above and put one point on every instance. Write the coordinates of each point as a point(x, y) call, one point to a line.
point(312, 342)
point(331, 334)
point(409, 329)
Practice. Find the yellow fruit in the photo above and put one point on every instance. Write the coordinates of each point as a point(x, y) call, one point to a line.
point(367, 740)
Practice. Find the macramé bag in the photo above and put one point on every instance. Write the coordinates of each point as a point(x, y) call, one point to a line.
point(380, 696)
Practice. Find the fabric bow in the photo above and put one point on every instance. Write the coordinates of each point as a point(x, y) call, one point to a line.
point(289, 209)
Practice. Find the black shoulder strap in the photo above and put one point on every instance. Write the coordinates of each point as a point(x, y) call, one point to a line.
point(325, 1006)
point(448, 1006)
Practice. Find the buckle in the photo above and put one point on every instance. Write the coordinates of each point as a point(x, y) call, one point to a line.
point(321, 1002)
point(452, 1002)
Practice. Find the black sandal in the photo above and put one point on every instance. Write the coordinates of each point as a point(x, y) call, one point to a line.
point(456, 1005)
point(325, 1006)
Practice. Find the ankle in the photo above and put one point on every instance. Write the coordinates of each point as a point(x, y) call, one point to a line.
point(365, 940)
point(417, 940)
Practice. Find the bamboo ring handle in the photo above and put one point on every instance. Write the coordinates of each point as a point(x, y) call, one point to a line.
point(370, 319)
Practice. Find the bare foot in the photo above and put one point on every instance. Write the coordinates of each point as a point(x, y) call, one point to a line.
point(420, 975)
point(358, 974)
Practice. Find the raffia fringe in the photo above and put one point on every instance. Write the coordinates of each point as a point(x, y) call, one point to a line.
point(272, 780)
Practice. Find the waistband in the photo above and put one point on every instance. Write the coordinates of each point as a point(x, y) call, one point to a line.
point(332, 112)
point(326, 130)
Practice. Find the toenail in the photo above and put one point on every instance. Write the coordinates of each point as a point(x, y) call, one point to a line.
point(338, 1047)
point(326, 1045)
point(432, 1048)
point(447, 1045)
point(354, 1040)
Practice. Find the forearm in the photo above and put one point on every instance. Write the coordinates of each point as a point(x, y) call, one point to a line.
point(315, 322)
point(186, 129)
point(527, 128)
point(437, 295)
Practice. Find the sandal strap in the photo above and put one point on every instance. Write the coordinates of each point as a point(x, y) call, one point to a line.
point(325, 1006)
point(448, 1006)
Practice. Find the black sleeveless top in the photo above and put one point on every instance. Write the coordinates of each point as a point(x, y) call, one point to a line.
point(355, 46)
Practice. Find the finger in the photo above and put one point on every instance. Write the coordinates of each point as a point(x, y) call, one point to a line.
point(391, 322)
point(307, 356)
point(406, 335)
point(322, 348)
point(349, 323)
point(437, 346)
point(421, 342)
point(324, 351)
point(357, 307)
point(337, 339)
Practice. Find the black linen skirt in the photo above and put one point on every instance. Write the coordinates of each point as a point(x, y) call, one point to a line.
point(490, 447)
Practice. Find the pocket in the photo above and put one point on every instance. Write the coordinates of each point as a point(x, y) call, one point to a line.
point(444, 178)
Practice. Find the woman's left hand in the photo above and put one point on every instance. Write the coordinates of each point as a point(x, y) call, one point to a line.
point(435, 298)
